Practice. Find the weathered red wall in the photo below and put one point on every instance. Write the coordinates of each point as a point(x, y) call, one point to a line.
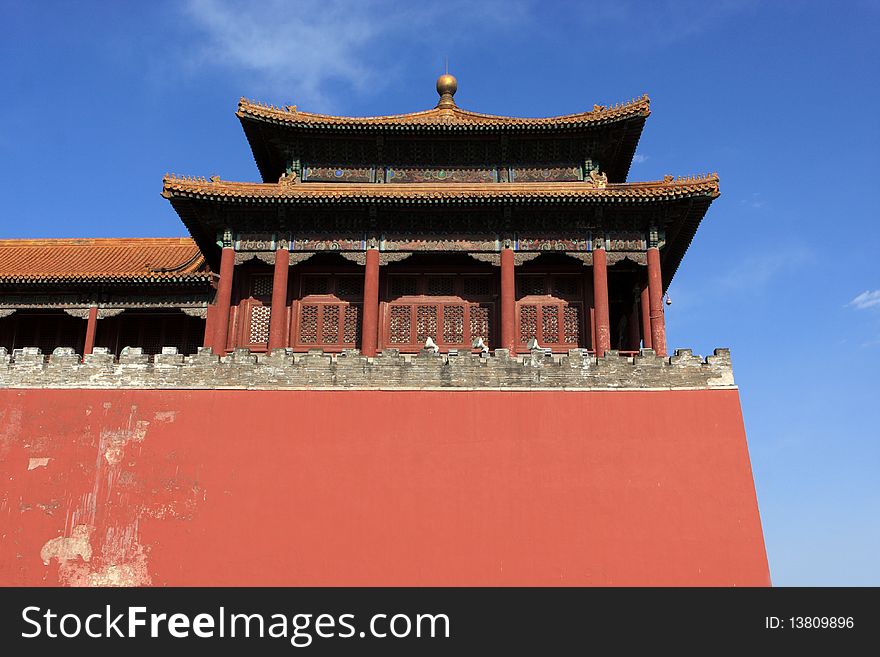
point(376, 488)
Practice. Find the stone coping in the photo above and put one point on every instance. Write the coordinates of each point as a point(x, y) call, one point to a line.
point(284, 369)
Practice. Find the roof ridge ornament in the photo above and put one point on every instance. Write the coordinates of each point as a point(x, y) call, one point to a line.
point(447, 85)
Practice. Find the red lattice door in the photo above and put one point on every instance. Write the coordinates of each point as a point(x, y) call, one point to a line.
point(451, 324)
point(327, 325)
point(255, 312)
point(452, 309)
point(328, 315)
point(550, 310)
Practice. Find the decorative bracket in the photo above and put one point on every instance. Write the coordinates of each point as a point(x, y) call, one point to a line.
point(521, 257)
point(656, 237)
point(359, 257)
point(584, 256)
point(265, 256)
point(387, 257)
point(493, 259)
point(614, 257)
point(301, 256)
point(200, 313)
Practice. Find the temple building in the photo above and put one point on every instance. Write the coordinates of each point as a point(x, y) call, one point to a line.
point(424, 349)
point(379, 233)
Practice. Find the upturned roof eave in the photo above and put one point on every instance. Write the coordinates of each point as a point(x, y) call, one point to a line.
point(421, 193)
point(437, 119)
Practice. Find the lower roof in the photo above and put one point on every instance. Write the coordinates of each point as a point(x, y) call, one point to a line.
point(108, 260)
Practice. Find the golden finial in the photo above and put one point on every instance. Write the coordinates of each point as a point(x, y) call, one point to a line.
point(446, 87)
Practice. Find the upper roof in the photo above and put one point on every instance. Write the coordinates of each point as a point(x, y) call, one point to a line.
point(109, 260)
point(278, 134)
point(443, 118)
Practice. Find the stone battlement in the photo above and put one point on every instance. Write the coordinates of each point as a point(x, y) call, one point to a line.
point(283, 369)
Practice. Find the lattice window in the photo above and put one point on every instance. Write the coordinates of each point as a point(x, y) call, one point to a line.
point(129, 335)
point(426, 323)
point(316, 285)
point(174, 331)
point(571, 324)
point(476, 286)
point(400, 324)
point(308, 324)
point(439, 286)
point(69, 333)
point(549, 324)
point(402, 286)
point(352, 324)
point(259, 328)
point(349, 286)
point(192, 341)
point(151, 341)
point(330, 325)
point(479, 322)
point(261, 286)
point(530, 285)
point(565, 286)
point(453, 324)
point(528, 323)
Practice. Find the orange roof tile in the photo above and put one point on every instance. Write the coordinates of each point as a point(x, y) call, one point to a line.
point(444, 117)
point(106, 259)
point(666, 189)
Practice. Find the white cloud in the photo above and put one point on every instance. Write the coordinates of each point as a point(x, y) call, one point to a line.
point(638, 158)
point(754, 201)
point(294, 50)
point(757, 269)
point(866, 300)
point(289, 46)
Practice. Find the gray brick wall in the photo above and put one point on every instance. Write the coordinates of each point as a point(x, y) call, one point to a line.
point(28, 368)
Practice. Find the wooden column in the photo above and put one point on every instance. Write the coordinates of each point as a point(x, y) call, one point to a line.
point(600, 299)
point(91, 328)
point(208, 340)
point(655, 299)
point(370, 322)
point(223, 301)
point(508, 301)
point(645, 312)
point(278, 312)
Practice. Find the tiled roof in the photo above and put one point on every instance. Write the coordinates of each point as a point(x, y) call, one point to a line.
point(216, 189)
point(175, 259)
point(443, 118)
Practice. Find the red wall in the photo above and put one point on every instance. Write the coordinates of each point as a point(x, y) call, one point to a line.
point(376, 488)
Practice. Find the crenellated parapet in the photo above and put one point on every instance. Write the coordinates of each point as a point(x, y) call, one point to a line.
point(283, 369)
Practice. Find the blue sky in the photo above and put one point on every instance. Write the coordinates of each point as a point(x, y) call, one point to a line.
point(101, 99)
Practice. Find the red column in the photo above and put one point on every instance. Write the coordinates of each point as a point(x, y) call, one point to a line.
point(645, 311)
point(370, 323)
point(208, 340)
point(655, 298)
point(278, 313)
point(508, 301)
point(91, 327)
point(600, 299)
point(223, 300)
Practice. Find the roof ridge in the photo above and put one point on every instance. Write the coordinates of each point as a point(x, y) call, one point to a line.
point(291, 113)
point(95, 241)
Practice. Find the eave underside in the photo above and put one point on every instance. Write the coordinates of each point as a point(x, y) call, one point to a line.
point(677, 217)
